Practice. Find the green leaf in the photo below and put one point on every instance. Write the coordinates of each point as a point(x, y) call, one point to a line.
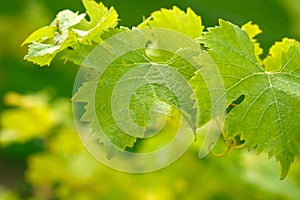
point(134, 91)
point(41, 35)
point(253, 30)
point(268, 117)
point(42, 54)
point(149, 99)
point(79, 52)
point(101, 19)
point(46, 42)
point(273, 62)
point(66, 19)
point(188, 23)
point(70, 29)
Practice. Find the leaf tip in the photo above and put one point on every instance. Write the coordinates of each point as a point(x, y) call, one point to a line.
point(286, 161)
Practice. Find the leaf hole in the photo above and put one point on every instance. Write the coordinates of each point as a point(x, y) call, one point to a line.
point(235, 103)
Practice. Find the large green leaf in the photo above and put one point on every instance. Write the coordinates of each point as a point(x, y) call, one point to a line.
point(268, 117)
point(133, 90)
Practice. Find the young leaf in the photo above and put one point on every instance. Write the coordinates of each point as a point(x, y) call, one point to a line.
point(268, 118)
point(66, 19)
point(273, 62)
point(188, 23)
point(79, 52)
point(101, 19)
point(253, 30)
point(42, 54)
point(69, 29)
point(41, 35)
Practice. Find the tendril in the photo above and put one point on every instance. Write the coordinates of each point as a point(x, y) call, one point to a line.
point(230, 144)
point(218, 154)
point(240, 146)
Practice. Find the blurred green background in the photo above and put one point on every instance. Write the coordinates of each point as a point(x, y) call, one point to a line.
point(41, 156)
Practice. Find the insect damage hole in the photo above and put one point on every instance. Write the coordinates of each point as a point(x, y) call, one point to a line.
point(235, 103)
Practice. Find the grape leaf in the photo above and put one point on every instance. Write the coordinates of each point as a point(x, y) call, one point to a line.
point(253, 30)
point(42, 54)
point(101, 19)
point(175, 19)
point(69, 29)
point(133, 90)
point(46, 42)
point(147, 97)
point(273, 61)
point(80, 51)
point(41, 35)
point(268, 118)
